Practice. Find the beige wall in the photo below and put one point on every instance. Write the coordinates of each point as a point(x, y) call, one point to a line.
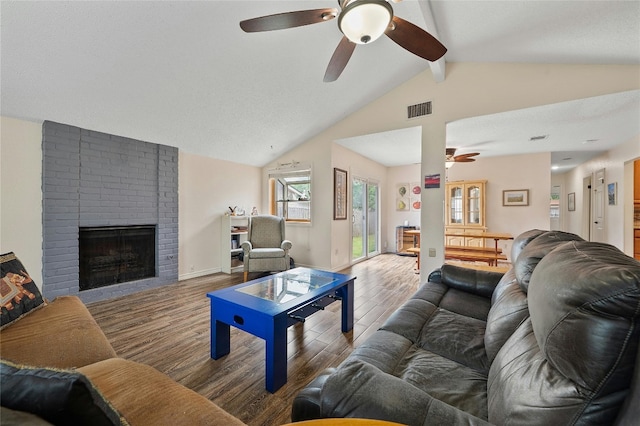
point(357, 166)
point(401, 174)
point(470, 89)
point(530, 171)
point(21, 193)
point(617, 232)
point(207, 187)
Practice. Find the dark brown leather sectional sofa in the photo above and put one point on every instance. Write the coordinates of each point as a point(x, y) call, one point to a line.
point(554, 341)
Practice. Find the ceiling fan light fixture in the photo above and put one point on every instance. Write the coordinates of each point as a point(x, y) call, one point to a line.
point(364, 21)
point(448, 164)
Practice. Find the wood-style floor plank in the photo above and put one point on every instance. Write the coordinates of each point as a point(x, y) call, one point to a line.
point(168, 329)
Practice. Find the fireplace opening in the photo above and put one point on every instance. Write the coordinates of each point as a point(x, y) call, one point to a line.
point(116, 254)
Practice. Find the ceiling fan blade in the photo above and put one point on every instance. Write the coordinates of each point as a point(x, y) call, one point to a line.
point(471, 154)
point(284, 20)
point(415, 39)
point(339, 60)
point(464, 160)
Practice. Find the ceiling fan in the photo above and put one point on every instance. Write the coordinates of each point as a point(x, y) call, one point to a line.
point(450, 157)
point(361, 22)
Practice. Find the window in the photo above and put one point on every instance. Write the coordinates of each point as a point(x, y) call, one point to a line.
point(290, 194)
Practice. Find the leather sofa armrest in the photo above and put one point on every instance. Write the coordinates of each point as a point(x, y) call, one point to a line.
point(306, 404)
point(470, 280)
point(435, 276)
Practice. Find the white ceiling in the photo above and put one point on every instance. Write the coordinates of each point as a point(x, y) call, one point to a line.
point(184, 74)
point(574, 131)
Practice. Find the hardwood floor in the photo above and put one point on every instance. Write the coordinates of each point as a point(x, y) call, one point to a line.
point(168, 328)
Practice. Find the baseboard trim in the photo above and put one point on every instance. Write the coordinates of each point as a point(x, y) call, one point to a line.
point(197, 274)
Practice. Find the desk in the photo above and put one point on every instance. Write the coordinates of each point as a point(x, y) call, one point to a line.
point(415, 233)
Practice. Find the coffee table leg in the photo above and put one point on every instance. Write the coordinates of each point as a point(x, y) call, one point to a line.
point(220, 339)
point(276, 356)
point(346, 292)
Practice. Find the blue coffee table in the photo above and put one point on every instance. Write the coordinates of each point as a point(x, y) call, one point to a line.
point(267, 306)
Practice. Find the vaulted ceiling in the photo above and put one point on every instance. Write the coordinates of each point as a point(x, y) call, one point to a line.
point(184, 73)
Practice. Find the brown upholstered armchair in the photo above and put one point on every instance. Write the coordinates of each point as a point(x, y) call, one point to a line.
point(266, 249)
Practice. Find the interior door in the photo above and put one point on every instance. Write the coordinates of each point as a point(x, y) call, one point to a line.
point(554, 209)
point(598, 206)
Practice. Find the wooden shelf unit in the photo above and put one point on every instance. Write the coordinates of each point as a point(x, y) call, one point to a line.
point(230, 241)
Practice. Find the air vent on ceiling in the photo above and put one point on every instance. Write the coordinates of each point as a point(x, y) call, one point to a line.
point(419, 110)
point(538, 138)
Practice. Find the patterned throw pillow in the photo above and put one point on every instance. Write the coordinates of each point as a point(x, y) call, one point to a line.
point(18, 293)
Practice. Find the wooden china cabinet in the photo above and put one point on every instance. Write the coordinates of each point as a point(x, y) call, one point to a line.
point(465, 212)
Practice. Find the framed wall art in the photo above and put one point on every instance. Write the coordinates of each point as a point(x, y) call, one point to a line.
point(403, 197)
point(339, 194)
point(415, 199)
point(515, 197)
point(571, 201)
point(612, 193)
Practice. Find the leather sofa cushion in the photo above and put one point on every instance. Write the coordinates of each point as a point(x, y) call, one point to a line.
point(415, 347)
point(522, 240)
point(572, 360)
point(586, 296)
point(358, 389)
point(434, 314)
point(508, 309)
point(535, 251)
point(509, 306)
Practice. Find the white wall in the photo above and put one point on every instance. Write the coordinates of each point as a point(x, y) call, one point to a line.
point(207, 187)
point(361, 167)
point(396, 175)
point(470, 89)
point(530, 171)
point(614, 164)
point(21, 193)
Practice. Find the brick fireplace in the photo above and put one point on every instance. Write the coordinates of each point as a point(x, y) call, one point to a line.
point(94, 180)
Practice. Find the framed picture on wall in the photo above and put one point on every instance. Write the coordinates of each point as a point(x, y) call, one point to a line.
point(612, 190)
point(415, 199)
point(339, 194)
point(515, 197)
point(571, 201)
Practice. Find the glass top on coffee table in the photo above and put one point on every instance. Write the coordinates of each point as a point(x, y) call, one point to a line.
point(288, 285)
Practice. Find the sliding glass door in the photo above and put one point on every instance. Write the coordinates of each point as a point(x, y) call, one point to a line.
point(365, 216)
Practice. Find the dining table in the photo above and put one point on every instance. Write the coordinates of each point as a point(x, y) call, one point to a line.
point(495, 236)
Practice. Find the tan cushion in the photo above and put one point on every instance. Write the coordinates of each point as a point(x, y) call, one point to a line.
point(145, 396)
point(62, 334)
point(266, 253)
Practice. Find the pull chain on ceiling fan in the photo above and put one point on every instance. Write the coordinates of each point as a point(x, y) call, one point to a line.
point(361, 22)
